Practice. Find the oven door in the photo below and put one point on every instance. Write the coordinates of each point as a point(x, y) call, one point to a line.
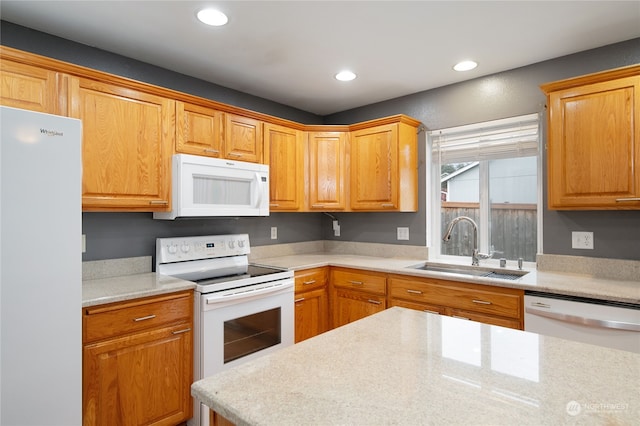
point(245, 323)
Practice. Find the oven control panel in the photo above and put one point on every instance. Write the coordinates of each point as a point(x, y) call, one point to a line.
point(179, 249)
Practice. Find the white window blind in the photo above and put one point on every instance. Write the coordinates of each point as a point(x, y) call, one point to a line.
point(505, 138)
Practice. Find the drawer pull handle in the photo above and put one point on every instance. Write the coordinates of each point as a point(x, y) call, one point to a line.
point(356, 282)
point(317, 206)
point(481, 302)
point(431, 312)
point(387, 205)
point(235, 154)
point(148, 317)
point(619, 200)
point(375, 302)
point(309, 282)
point(211, 151)
point(159, 202)
point(274, 205)
point(459, 317)
point(414, 291)
point(186, 330)
point(299, 300)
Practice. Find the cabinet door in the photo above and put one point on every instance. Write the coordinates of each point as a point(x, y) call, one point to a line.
point(349, 306)
point(284, 154)
point(327, 152)
point(311, 314)
point(594, 146)
point(139, 379)
point(126, 149)
point(29, 87)
point(374, 172)
point(243, 139)
point(199, 130)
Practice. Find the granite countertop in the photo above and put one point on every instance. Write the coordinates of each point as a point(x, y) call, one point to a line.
point(117, 289)
point(571, 284)
point(406, 367)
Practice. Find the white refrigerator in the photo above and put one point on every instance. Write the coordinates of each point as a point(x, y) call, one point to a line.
point(40, 269)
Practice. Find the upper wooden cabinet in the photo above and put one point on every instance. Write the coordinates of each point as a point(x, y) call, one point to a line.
point(328, 181)
point(384, 166)
point(199, 130)
point(131, 129)
point(32, 88)
point(593, 147)
point(127, 145)
point(284, 153)
point(243, 139)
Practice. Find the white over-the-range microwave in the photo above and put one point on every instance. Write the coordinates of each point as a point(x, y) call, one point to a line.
point(205, 187)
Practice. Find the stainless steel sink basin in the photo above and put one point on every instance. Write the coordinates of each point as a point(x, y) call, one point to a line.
point(475, 271)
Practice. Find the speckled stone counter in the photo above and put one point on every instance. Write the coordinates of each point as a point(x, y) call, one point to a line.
point(405, 367)
point(117, 289)
point(572, 284)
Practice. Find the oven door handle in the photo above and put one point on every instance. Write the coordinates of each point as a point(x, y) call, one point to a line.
point(241, 293)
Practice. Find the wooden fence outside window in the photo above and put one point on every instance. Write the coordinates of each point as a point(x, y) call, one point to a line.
point(514, 229)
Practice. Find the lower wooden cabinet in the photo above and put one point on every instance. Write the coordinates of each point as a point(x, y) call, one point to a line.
point(311, 303)
point(137, 364)
point(356, 294)
point(488, 304)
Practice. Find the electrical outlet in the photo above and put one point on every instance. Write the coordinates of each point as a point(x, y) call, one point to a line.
point(84, 243)
point(582, 240)
point(274, 232)
point(403, 233)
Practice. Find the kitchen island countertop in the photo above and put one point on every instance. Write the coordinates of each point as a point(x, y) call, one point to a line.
point(406, 367)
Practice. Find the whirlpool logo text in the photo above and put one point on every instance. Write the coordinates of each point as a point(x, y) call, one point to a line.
point(51, 132)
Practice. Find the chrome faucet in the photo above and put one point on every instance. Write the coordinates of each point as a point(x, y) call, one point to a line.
point(475, 255)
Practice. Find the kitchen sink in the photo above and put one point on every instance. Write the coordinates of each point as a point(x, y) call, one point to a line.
point(475, 271)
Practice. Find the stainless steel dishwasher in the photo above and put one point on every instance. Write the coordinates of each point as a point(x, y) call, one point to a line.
point(612, 324)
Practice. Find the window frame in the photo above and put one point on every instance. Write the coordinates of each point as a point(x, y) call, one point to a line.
point(434, 225)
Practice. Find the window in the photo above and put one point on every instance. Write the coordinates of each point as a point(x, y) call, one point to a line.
point(490, 173)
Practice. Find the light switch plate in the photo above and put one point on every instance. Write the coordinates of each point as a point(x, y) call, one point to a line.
point(403, 233)
point(274, 232)
point(84, 243)
point(582, 240)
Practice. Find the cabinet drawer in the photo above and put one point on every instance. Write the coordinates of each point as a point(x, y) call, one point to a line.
point(357, 280)
point(477, 298)
point(101, 322)
point(310, 279)
point(424, 307)
point(487, 319)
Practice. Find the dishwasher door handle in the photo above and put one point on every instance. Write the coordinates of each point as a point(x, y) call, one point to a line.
point(592, 322)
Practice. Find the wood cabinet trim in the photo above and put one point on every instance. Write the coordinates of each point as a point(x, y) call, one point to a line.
point(597, 77)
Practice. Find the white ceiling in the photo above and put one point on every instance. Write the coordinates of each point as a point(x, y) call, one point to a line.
point(288, 51)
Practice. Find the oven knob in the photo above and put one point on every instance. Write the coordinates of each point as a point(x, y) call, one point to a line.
point(240, 243)
point(231, 244)
point(172, 248)
point(185, 247)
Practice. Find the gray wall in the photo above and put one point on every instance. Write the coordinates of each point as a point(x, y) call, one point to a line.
point(511, 93)
point(515, 92)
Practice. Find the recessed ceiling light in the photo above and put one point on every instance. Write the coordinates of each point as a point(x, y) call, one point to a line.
point(465, 66)
point(212, 17)
point(345, 76)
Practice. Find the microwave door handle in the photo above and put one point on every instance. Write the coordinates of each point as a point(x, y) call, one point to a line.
point(259, 180)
